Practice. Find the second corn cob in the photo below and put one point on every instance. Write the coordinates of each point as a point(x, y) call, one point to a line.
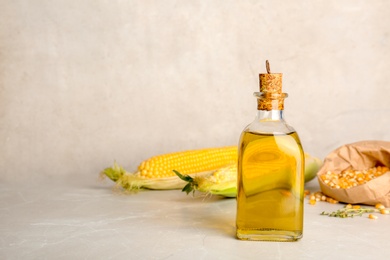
point(224, 180)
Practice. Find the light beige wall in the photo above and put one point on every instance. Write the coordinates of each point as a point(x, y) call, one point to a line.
point(84, 83)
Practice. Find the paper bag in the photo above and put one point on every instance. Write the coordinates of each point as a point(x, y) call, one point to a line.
point(359, 156)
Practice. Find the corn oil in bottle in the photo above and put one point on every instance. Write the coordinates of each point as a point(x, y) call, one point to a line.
point(270, 181)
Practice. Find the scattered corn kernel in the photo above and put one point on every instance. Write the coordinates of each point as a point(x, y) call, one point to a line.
point(330, 200)
point(371, 216)
point(319, 196)
point(356, 207)
point(384, 211)
point(379, 206)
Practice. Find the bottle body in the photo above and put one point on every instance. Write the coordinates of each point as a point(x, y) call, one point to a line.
point(270, 180)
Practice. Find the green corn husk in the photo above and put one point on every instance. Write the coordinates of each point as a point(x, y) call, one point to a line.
point(220, 182)
point(312, 166)
point(131, 182)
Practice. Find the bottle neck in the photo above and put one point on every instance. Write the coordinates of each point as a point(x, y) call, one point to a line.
point(270, 106)
point(270, 115)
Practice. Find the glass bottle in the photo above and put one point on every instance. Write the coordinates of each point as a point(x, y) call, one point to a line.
point(270, 171)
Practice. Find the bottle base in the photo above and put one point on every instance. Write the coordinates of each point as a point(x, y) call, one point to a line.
point(269, 235)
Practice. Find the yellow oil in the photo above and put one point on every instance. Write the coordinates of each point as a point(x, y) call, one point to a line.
point(270, 187)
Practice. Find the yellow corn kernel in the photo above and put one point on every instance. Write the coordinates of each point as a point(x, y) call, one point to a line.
point(372, 216)
point(384, 211)
point(356, 207)
point(187, 162)
point(312, 202)
point(332, 201)
point(379, 206)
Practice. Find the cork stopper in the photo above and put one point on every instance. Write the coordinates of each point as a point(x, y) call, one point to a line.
point(271, 96)
point(270, 82)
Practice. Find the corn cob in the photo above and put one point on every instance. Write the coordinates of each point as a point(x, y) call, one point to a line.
point(215, 170)
point(224, 180)
point(157, 172)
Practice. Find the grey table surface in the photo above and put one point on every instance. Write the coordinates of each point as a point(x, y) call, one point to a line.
point(65, 218)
